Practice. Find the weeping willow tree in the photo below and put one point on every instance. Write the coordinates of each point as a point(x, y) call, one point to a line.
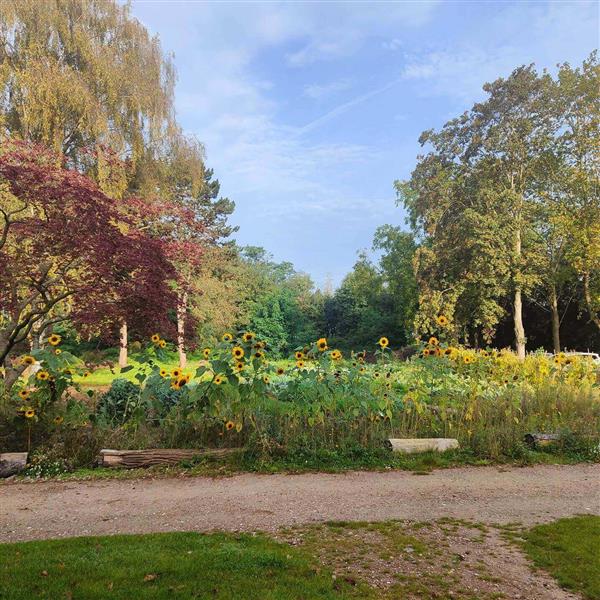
point(81, 74)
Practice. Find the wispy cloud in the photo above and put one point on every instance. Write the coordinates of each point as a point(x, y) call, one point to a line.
point(317, 91)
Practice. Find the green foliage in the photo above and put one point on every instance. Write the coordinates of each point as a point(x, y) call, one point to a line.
point(119, 404)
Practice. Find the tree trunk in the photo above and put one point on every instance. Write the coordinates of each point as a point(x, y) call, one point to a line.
point(555, 319)
point(518, 304)
point(588, 299)
point(123, 345)
point(181, 310)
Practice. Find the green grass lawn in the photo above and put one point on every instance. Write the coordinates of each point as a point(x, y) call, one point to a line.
point(569, 549)
point(169, 565)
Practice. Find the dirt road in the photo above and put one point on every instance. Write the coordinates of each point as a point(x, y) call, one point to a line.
point(267, 502)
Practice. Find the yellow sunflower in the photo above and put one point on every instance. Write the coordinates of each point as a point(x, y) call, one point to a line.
point(426, 352)
point(299, 355)
point(218, 380)
point(29, 413)
point(27, 360)
point(322, 344)
point(175, 384)
point(239, 367)
point(58, 420)
point(383, 342)
point(176, 372)
point(43, 375)
point(87, 374)
point(300, 364)
point(433, 341)
point(229, 425)
point(336, 354)
point(155, 338)
point(259, 354)
point(206, 352)
point(442, 320)
point(238, 352)
point(24, 394)
point(266, 379)
point(57, 351)
point(164, 373)
point(248, 336)
point(162, 344)
point(182, 381)
point(227, 337)
point(54, 339)
point(280, 371)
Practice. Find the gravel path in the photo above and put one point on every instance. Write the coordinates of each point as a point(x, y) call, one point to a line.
point(266, 502)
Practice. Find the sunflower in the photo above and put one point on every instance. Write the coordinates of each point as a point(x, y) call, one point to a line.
point(155, 338)
point(259, 354)
point(58, 420)
point(248, 336)
point(57, 351)
point(426, 352)
point(238, 352)
point(182, 381)
point(176, 372)
point(442, 320)
point(280, 371)
point(29, 413)
point(448, 351)
point(24, 394)
point(336, 355)
point(43, 375)
point(54, 339)
point(383, 342)
point(322, 344)
point(164, 373)
point(87, 374)
point(218, 380)
point(259, 346)
point(433, 341)
point(468, 360)
point(266, 379)
point(239, 367)
point(162, 344)
point(376, 374)
point(206, 352)
point(227, 337)
point(175, 384)
point(300, 364)
point(299, 355)
point(229, 425)
point(361, 359)
point(362, 370)
point(27, 360)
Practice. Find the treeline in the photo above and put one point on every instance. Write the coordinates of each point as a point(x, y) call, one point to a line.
point(112, 227)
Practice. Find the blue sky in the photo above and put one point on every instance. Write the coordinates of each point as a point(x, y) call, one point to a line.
point(309, 111)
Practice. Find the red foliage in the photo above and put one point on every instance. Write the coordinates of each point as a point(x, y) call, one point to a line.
point(68, 246)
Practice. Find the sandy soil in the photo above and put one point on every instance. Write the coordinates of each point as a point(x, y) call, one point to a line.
point(267, 502)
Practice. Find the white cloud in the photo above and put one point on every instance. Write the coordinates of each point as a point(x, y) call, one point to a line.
point(317, 91)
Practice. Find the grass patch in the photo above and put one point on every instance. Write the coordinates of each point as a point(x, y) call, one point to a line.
point(569, 549)
point(168, 565)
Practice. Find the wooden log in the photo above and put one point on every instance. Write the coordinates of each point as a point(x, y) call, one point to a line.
point(12, 463)
point(132, 459)
point(538, 440)
point(416, 445)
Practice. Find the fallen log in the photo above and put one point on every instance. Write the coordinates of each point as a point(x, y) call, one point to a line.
point(538, 440)
point(12, 463)
point(133, 459)
point(416, 445)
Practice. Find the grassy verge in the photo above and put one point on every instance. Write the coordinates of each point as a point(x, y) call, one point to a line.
point(174, 565)
point(323, 461)
point(569, 549)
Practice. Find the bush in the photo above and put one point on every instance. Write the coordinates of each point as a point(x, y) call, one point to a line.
point(119, 404)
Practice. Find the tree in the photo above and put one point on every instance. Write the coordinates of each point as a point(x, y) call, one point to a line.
point(67, 252)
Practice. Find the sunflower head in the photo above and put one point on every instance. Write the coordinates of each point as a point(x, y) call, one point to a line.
point(442, 320)
point(54, 339)
point(164, 373)
point(336, 355)
point(259, 354)
point(433, 341)
point(376, 374)
point(58, 420)
point(248, 336)
point(181, 381)
point(162, 344)
point(176, 372)
point(24, 394)
point(229, 425)
point(280, 371)
point(57, 351)
point(266, 379)
point(237, 352)
point(218, 380)
point(175, 384)
point(29, 413)
point(239, 367)
point(43, 375)
point(86, 374)
point(299, 355)
point(206, 352)
point(155, 338)
point(322, 344)
point(426, 352)
point(227, 337)
point(27, 360)
point(383, 342)
point(300, 364)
